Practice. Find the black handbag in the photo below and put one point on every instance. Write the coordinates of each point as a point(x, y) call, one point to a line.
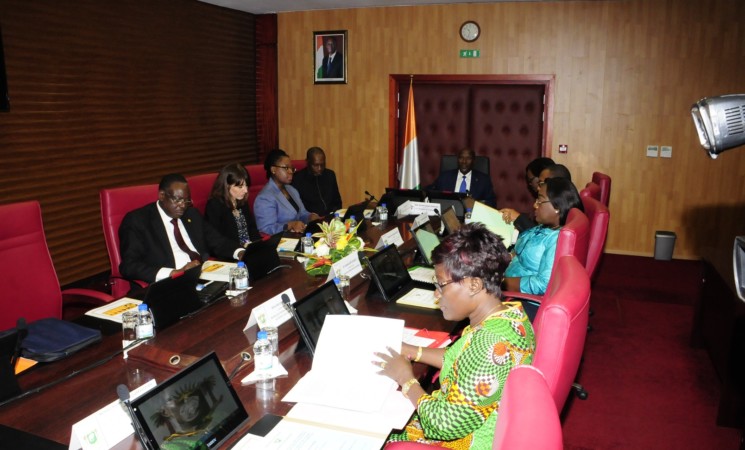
point(52, 339)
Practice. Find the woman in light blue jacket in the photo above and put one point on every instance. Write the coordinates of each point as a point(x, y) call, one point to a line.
point(278, 206)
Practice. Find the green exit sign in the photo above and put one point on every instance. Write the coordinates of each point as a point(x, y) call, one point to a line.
point(470, 53)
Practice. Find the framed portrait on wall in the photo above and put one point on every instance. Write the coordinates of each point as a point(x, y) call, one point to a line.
point(330, 57)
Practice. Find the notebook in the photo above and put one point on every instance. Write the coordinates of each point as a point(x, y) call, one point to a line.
point(195, 408)
point(311, 311)
point(394, 283)
point(171, 299)
point(261, 257)
point(426, 241)
point(450, 220)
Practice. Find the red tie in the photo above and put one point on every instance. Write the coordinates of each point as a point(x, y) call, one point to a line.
point(182, 244)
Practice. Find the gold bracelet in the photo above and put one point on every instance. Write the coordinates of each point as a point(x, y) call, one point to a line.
point(418, 355)
point(405, 388)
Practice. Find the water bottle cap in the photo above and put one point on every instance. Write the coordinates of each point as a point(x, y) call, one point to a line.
point(241, 264)
point(468, 209)
point(261, 334)
point(142, 307)
point(336, 280)
point(307, 235)
point(336, 214)
point(352, 217)
point(383, 205)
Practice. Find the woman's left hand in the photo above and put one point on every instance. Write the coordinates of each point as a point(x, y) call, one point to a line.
point(394, 365)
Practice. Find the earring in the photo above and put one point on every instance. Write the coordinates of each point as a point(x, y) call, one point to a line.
point(556, 211)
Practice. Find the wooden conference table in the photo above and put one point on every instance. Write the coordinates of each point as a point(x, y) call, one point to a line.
point(51, 413)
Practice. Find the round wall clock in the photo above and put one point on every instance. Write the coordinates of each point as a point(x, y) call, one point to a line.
point(470, 31)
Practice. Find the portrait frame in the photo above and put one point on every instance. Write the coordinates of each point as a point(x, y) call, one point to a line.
point(334, 71)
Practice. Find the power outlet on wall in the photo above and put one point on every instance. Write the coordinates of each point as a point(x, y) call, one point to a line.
point(652, 151)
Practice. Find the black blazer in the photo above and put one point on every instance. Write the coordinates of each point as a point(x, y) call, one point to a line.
point(320, 194)
point(220, 216)
point(337, 66)
point(144, 245)
point(481, 186)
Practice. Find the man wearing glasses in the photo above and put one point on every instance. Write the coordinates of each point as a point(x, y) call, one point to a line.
point(168, 235)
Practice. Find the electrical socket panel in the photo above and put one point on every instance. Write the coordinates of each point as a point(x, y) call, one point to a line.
point(666, 151)
point(652, 151)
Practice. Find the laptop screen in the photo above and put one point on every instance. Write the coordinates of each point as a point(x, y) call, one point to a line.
point(426, 241)
point(312, 310)
point(171, 299)
point(195, 408)
point(261, 257)
point(389, 271)
point(450, 219)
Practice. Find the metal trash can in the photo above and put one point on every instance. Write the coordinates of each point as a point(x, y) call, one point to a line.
point(664, 243)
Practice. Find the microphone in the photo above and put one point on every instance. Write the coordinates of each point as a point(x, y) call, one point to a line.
point(245, 357)
point(372, 197)
point(298, 323)
point(441, 231)
point(123, 392)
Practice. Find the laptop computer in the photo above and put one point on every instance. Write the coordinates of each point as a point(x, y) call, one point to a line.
point(311, 311)
point(449, 199)
point(426, 240)
point(9, 351)
point(450, 220)
point(195, 408)
point(393, 282)
point(394, 197)
point(261, 257)
point(171, 299)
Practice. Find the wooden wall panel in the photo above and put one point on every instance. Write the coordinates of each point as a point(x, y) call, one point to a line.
point(116, 93)
point(626, 72)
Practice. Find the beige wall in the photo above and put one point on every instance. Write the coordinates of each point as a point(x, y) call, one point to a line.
point(626, 73)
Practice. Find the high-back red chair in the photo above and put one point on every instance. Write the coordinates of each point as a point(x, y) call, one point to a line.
point(115, 204)
point(603, 181)
point(599, 217)
point(561, 326)
point(30, 285)
point(200, 187)
point(526, 406)
point(591, 190)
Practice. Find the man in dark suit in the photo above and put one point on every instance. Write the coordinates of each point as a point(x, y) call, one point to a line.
point(168, 236)
point(317, 185)
point(333, 62)
point(465, 179)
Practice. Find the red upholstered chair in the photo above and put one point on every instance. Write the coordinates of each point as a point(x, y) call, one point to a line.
point(115, 204)
point(561, 326)
point(200, 187)
point(526, 406)
point(591, 190)
point(603, 181)
point(599, 216)
point(30, 285)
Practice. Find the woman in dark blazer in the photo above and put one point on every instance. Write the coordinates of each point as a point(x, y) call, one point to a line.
point(227, 208)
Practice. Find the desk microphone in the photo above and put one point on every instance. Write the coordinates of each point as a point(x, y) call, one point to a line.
point(300, 327)
point(372, 197)
point(442, 222)
point(123, 392)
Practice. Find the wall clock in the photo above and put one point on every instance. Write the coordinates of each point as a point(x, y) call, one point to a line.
point(470, 31)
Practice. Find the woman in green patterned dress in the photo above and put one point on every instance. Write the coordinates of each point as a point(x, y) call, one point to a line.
point(462, 414)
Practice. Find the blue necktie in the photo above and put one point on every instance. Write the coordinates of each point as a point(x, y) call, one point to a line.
point(463, 188)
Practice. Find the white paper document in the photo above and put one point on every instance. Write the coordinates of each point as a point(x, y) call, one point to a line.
point(343, 362)
point(113, 311)
point(217, 270)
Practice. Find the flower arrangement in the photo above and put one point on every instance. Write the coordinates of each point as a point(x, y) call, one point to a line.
point(334, 242)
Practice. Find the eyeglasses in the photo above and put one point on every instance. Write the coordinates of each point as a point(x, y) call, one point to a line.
point(179, 201)
point(289, 169)
point(540, 202)
point(441, 286)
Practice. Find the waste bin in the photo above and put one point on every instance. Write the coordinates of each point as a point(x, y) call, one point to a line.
point(664, 243)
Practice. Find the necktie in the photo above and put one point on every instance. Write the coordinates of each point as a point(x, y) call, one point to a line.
point(463, 188)
point(182, 244)
point(328, 67)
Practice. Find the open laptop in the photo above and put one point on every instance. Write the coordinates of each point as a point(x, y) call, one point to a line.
point(395, 197)
point(450, 220)
point(449, 199)
point(311, 311)
point(358, 211)
point(171, 299)
point(394, 283)
point(261, 257)
point(426, 240)
point(195, 408)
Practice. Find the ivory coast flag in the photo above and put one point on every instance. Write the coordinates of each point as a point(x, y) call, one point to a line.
point(410, 164)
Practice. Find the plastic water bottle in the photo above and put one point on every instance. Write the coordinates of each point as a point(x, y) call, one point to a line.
point(383, 212)
point(263, 355)
point(239, 277)
point(351, 223)
point(468, 216)
point(145, 329)
point(308, 244)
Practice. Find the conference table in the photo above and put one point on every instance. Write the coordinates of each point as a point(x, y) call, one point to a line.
point(51, 413)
